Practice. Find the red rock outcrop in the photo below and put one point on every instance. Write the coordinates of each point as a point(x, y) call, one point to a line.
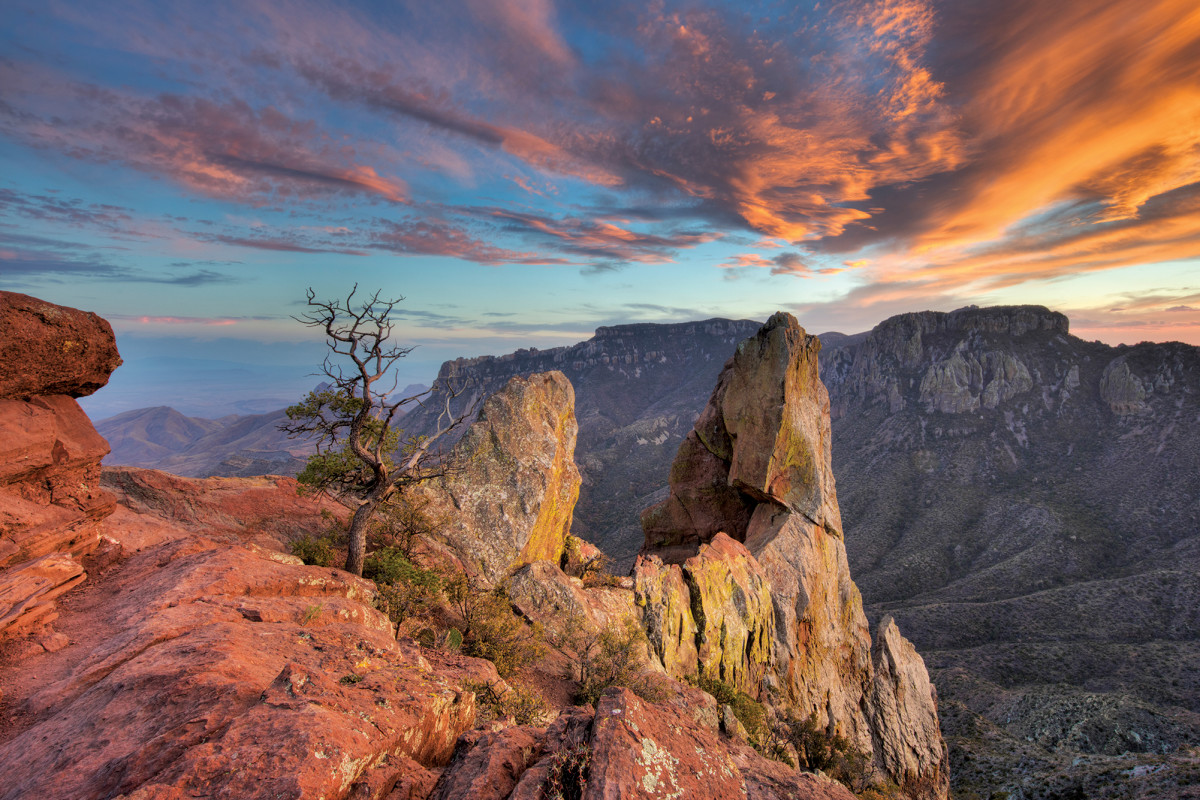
point(47, 349)
point(512, 487)
point(221, 672)
point(50, 495)
point(757, 467)
point(634, 749)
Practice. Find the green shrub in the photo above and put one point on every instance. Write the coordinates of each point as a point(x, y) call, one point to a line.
point(404, 588)
point(751, 713)
point(317, 551)
point(525, 706)
point(568, 774)
point(613, 657)
point(452, 640)
point(833, 754)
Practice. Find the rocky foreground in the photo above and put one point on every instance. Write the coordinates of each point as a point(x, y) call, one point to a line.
point(158, 644)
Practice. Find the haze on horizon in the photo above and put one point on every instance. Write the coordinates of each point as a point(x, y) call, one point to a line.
point(524, 171)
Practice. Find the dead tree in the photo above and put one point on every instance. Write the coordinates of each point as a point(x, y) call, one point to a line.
point(360, 458)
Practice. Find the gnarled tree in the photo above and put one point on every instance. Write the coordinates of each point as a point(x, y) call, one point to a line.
point(360, 457)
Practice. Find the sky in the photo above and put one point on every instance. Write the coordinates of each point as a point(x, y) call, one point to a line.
point(523, 171)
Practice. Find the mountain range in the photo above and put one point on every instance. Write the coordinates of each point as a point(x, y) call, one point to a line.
point(1024, 503)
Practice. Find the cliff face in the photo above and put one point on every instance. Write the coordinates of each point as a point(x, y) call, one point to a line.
point(511, 487)
point(778, 615)
point(1026, 504)
point(50, 496)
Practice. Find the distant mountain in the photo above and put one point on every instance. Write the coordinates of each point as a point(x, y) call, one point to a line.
point(1026, 504)
point(233, 446)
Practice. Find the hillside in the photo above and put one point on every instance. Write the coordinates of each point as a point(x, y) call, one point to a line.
point(1026, 504)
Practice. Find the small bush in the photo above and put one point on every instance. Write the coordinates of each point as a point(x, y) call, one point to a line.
point(751, 713)
point(612, 657)
point(404, 521)
point(404, 588)
point(452, 640)
point(351, 678)
point(312, 613)
point(317, 551)
point(490, 628)
point(568, 776)
point(525, 706)
point(833, 754)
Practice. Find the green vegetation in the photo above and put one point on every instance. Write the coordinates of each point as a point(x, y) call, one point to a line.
point(317, 551)
point(751, 713)
point(404, 588)
point(525, 706)
point(491, 629)
point(312, 613)
point(832, 753)
point(612, 657)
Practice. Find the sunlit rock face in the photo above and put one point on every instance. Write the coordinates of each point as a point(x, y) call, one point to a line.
point(511, 487)
point(752, 515)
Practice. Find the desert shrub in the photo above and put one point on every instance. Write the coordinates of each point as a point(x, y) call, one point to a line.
point(317, 551)
point(751, 713)
point(568, 774)
point(312, 613)
point(490, 628)
point(405, 520)
point(404, 588)
point(612, 657)
point(833, 754)
point(451, 640)
point(525, 706)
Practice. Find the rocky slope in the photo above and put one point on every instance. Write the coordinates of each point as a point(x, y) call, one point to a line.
point(1026, 505)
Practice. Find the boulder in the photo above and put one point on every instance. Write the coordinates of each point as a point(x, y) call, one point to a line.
point(47, 349)
point(511, 490)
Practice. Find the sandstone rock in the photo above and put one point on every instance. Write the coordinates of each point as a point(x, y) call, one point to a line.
point(665, 602)
point(228, 674)
point(544, 593)
point(27, 591)
point(265, 511)
point(50, 496)
point(731, 598)
point(513, 488)
point(905, 725)
point(644, 750)
point(488, 766)
point(47, 349)
point(763, 438)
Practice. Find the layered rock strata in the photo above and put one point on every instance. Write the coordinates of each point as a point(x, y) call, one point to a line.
point(511, 486)
point(756, 469)
point(50, 495)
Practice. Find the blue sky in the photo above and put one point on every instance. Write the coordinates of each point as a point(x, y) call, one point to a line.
point(523, 171)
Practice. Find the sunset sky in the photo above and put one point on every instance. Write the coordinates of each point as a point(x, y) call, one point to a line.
point(525, 170)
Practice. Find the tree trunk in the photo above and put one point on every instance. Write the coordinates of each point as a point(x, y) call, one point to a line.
point(357, 550)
